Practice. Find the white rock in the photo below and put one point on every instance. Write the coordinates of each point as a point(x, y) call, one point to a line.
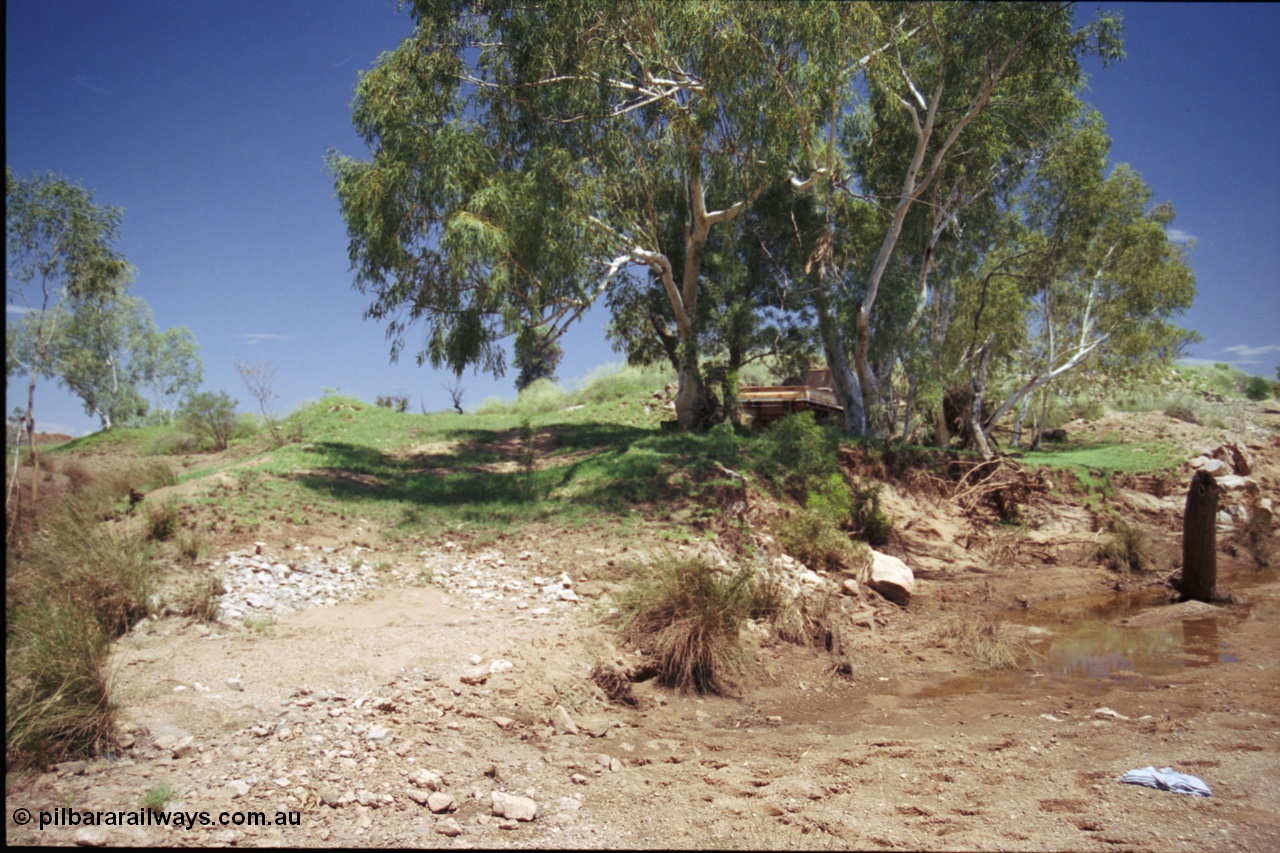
point(262, 602)
point(235, 684)
point(892, 578)
point(440, 803)
point(449, 827)
point(91, 836)
point(237, 788)
point(501, 666)
point(426, 779)
point(474, 675)
point(514, 807)
point(378, 734)
point(562, 722)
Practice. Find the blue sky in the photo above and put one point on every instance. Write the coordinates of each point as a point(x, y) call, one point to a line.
point(208, 122)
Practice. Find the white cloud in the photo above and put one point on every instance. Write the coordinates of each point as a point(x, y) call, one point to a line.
point(1177, 235)
point(16, 309)
point(259, 337)
point(1246, 354)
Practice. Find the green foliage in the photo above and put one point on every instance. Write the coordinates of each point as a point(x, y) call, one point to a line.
point(158, 796)
point(610, 382)
point(868, 520)
point(687, 615)
point(211, 415)
point(799, 453)
point(537, 355)
point(1258, 388)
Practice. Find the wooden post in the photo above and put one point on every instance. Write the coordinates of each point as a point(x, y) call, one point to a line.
point(1199, 538)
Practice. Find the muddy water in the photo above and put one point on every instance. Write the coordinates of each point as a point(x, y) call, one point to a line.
point(1082, 647)
point(1090, 645)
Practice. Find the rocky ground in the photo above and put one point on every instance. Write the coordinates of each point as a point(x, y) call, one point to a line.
point(443, 698)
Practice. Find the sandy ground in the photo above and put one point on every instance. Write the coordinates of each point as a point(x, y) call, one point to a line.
point(912, 748)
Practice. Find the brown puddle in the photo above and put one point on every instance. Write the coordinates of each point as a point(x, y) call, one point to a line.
point(1090, 650)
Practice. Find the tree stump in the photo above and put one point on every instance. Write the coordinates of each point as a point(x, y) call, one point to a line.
point(1199, 539)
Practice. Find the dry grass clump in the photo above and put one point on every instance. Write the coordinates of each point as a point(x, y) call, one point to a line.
point(201, 601)
point(687, 616)
point(1125, 549)
point(76, 585)
point(979, 638)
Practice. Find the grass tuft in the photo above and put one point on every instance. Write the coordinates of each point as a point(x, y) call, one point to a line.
point(1125, 549)
point(981, 640)
point(687, 616)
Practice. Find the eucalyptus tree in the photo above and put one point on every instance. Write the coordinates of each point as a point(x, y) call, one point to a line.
point(1100, 279)
point(105, 349)
point(527, 158)
point(58, 243)
point(962, 81)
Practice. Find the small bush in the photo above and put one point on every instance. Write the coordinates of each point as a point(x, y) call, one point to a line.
point(799, 453)
point(212, 416)
point(814, 540)
point(1258, 388)
point(77, 586)
point(687, 616)
point(78, 475)
point(191, 544)
point(1125, 549)
point(869, 520)
point(1182, 411)
point(201, 602)
point(162, 520)
point(396, 402)
point(617, 382)
point(158, 796)
point(539, 398)
point(57, 691)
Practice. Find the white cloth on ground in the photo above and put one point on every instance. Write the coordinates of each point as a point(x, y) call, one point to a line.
point(1166, 779)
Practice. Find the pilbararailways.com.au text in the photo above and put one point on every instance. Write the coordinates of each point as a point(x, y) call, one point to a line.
point(66, 816)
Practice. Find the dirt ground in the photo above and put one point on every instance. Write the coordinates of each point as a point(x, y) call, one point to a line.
point(333, 712)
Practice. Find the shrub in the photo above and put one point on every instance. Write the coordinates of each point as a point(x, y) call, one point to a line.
point(191, 544)
point(78, 475)
point(814, 540)
point(869, 520)
point(1125, 549)
point(162, 520)
point(397, 402)
point(799, 452)
point(687, 616)
point(616, 382)
point(158, 796)
point(540, 397)
point(201, 601)
point(1258, 388)
point(213, 416)
point(1182, 411)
